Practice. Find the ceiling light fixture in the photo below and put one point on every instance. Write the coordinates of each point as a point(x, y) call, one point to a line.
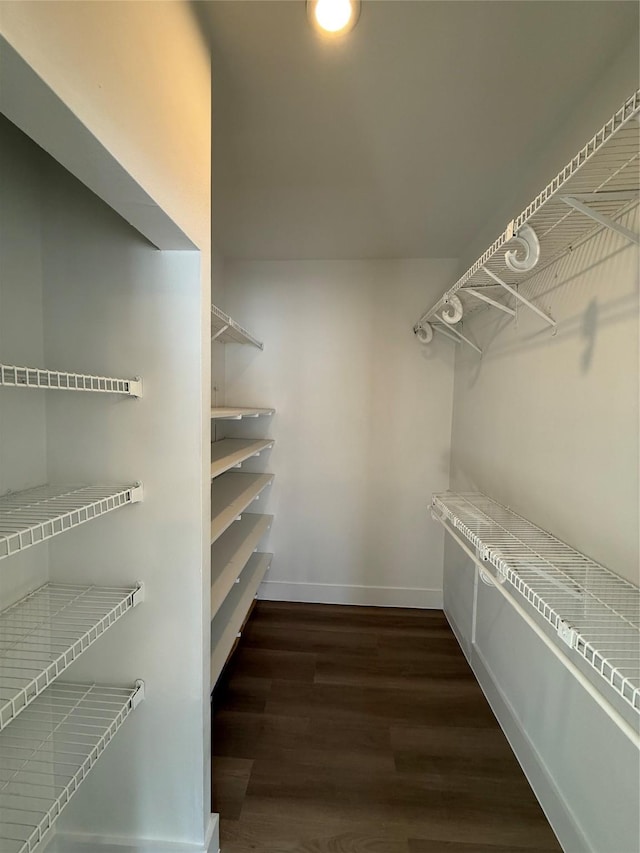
point(333, 17)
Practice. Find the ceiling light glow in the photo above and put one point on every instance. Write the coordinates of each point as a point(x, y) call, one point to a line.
point(333, 17)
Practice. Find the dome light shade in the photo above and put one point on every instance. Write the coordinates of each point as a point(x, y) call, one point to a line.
point(333, 17)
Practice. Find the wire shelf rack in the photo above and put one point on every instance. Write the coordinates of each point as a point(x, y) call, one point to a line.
point(47, 753)
point(594, 611)
point(45, 632)
point(35, 377)
point(592, 192)
point(34, 515)
point(227, 331)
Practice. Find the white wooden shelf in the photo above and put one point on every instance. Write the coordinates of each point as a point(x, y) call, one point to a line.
point(233, 611)
point(230, 553)
point(232, 452)
point(594, 611)
point(231, 494)
point(227, 331)
point(229, 413)
point(35, 377)
point(45, 632)
point(34, 515)
point(598, 186)
point(47, 753)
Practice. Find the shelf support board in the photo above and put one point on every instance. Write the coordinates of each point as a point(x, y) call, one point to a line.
point(521, 298)
point(583, 208)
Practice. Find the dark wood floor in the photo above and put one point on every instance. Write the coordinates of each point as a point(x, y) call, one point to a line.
point(363, 730)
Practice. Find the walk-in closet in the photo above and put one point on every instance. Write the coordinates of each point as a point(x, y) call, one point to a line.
point(319, 418)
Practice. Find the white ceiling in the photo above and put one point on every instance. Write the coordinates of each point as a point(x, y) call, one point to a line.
point(397, 140)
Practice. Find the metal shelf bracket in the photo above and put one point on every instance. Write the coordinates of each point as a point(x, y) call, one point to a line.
point(521, 298)
point(138, 595)
point(578, 203)
point(138, 696)
point(137, 493)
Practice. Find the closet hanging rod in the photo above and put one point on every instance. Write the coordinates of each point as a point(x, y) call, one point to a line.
point(593, 191)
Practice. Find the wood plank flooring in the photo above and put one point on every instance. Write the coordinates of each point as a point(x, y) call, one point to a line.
point(363, 730)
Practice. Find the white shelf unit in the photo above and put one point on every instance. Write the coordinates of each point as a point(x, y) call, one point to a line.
point(36, 377)
point(231, 494)
point(593, 611)
point(45, 632)
point(232, 452)
point(599, 185)
point(35, 515)
point(227, 622)
point(227, 331)
point(231, 413)
point(47, 753)
point(230, 553)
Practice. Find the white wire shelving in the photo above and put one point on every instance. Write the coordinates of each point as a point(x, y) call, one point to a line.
point(47, 753)
point(228, 621)
point(231, 413)
point(593, 191)
point(231, 494)
point(232, 452)
point(35, 377)
point(227, 331)
point(230, 553)
point(45, 632)
point(34, 515)
point(594, 611)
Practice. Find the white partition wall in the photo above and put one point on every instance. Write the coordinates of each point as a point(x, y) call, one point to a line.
point(83, 291)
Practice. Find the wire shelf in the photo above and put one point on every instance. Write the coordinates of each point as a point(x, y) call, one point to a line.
point(35, 377)
point(605, 175)
point(47, 753)
point(593, 610)
point(227, 331)
point(45, 632)
point(32, 516)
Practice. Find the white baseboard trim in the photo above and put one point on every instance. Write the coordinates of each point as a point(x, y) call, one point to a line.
point(65, 842)
point(326, 593)
point(553, 804)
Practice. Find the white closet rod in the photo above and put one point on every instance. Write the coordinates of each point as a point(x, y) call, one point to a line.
point(607, 707)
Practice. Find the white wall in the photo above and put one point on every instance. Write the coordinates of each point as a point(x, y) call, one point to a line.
point(120, 94)
point(83, 291)
point(549, 425)
point(22, 414)
point(359, 448)
point(137, 75)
